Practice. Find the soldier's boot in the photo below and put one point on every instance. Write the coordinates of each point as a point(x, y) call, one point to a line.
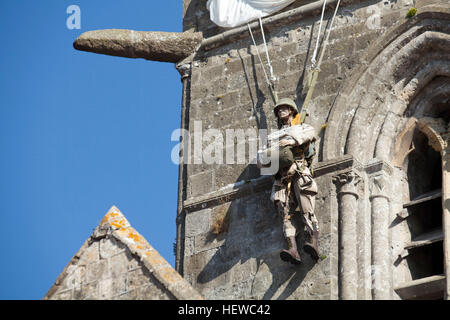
point(312, 246)
point(291, 255)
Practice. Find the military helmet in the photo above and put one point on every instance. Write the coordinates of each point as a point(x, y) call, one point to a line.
point(286, 102)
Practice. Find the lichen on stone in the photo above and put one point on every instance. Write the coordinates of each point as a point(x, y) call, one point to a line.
point(411, 13)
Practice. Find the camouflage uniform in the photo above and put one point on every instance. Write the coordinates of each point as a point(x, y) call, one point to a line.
point(302, 189)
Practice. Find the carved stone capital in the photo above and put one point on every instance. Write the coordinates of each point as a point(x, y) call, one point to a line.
point(379, 187)
point(379, 173)
point(184, 70)
point(347, 182)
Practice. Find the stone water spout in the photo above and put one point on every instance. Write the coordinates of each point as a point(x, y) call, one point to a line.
point(150, 45)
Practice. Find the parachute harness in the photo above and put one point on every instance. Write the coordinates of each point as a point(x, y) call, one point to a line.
point(313, 74)
point(315, 65)
point(272, 76)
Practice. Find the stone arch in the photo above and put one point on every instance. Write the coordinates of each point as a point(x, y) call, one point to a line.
point(394, 82)
point(432, 128)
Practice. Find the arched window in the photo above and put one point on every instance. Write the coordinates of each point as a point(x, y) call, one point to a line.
point(423, 213)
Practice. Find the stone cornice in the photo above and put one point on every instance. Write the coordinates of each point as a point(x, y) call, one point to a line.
point(378, 166)
point(263, 183)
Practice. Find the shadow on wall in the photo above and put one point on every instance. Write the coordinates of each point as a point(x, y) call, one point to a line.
point(247, 263)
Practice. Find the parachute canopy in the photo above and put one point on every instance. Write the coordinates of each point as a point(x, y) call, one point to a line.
point(232, 13)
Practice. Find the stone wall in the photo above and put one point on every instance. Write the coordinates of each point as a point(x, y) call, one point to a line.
point(108, 271)
point(117, 263)
point(227, 90)
point(243, 262)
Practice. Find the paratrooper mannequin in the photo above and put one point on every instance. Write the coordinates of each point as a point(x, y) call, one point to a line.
point(294, 185)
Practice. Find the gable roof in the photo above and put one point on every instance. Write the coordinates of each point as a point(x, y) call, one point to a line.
point(115, 225)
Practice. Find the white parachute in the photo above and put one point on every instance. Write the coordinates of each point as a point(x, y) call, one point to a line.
point(232, 13)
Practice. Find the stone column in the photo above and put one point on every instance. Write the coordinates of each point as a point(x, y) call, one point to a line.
point(185, 72)
point(380, 242)
point(348, 208)
point(446, 215)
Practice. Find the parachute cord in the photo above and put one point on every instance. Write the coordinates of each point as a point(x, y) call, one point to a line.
point(272, 77)
point(259, 56)
point(313, 59)
point(312, 77)
point(269, 82)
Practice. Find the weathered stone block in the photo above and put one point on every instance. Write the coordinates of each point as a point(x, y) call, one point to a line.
point(189, 246)
point(133, 261)
point(261, 283)
point(289, 82)
point(215, 273)
point(218, 87)
point(208, 241)
point(228, 174)
point(118, 264)
point(230, 99)
point(151, 292)
point(198, 222)
point(75, 277)
point(200, 92)
point(64, 295)
point(97, 270)
point(91, 254)
point(281, 66)
point(201, 183)
point(296, 62)
point(285, 51)
point(212, 73)
point(233, 67)
point(197, 262)
point(108, 247)
point(135, 278)
point(89, 291)
point(119, 285)
point(105, 288)
point(243, 270)
point(339, 48)
point(241, 290)
point(129, 295)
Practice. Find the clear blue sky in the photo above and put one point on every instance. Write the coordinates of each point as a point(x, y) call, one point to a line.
point(81, 132)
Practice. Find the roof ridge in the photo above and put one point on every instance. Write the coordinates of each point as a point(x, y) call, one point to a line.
point(116, 225)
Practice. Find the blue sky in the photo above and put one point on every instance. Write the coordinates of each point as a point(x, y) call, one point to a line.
point(81, 132)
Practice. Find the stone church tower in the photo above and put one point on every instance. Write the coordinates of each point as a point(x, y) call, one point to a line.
point(381, 109)
point(383, 93)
